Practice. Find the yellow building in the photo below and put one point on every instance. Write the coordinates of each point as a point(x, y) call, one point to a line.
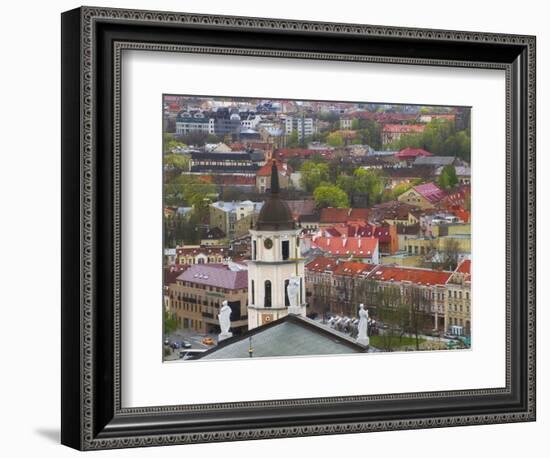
point(197, 295)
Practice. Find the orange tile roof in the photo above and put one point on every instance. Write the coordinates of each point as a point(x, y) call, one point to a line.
point(265, 170)
point(426, 277)
point(464, 266)
point(360, 247)
point(353, 268)
point(321, 264)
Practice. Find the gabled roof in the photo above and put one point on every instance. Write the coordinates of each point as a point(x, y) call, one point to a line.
point(218, 275)
point(430, 191)
point(359, 247)
point(423, 277)
point(342, 215)
point(353, 268)
point(321, 264)
point(292, 335)
point(282, 168)
point(464, 266)
point(409, 153)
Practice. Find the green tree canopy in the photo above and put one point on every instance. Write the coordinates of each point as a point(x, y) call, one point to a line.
point(335, 139)
point(328, 195)
point(313, 174)
point(448, 177)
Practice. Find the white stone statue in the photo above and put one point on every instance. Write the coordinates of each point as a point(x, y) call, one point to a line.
point(293, 291)
point(362, 336)
point(225, 321)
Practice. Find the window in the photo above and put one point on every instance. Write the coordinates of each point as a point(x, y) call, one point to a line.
point(252, 290)
point(254, 253)
point(267, 294)
point(286, 249)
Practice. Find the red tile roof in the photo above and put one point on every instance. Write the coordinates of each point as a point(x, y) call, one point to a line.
point(464, 266)
point(430, 191)
point(342, 215)
point(425, 277)
point(321, 264)
point(359, 247)
point(282, 168)
point(353, 268)
point(410, 153)
point(359, 230)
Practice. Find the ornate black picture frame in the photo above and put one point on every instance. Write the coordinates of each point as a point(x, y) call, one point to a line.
point(92, 41)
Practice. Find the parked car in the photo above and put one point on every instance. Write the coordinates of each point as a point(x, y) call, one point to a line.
point(208, 341)
point(185, 344)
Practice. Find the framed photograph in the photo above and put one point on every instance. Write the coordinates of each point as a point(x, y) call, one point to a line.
point(276, 228)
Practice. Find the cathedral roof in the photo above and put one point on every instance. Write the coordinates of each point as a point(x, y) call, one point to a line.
point(292, 335)
point(275, 214)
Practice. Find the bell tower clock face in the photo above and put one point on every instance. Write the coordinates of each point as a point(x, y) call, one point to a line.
point(268, 244)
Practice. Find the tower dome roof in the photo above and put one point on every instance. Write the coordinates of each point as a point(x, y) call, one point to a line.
point(275, 213)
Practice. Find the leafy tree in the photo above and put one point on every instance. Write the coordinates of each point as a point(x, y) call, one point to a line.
point(188, 190)
point(313, 174)
point(448, 177)
point(369, 182)
point(440, 137)
point(335, 139)
point(293, 141)
point(170, 324)
point(179, 162)
point(169, 143)
point(328, 195)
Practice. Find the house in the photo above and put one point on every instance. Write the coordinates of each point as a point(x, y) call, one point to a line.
point(393, 132)
point(331, 215)
point(409, 155)
point(395, 212)
point(427, 195)
point(197, 294)
point(386, 234)
point(198, 254)
point(458, 317)
point(263, 176)
point(214, 236)
point(359, 248)
point(234, 218)
point(396, 176)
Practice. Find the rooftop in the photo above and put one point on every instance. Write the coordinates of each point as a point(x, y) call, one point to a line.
point(426, 277)
point(291, 335)
point(218, 275)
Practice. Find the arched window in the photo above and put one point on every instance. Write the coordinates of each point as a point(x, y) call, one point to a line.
point(267, 294)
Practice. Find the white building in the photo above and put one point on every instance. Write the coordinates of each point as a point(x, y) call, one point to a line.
point(275, 252)
point(188, 122)
point(304, 126)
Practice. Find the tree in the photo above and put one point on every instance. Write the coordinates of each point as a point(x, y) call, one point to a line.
point(328, 195)
point(417, 301)
point(170, 324)
point(178, 162)
point(313, 174)
point(335, 139)
point(448, 178)
point(293, 141)
point(369, 182)
point(450, 253)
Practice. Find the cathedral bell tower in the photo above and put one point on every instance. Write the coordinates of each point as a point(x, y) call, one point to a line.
point(276, 284)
